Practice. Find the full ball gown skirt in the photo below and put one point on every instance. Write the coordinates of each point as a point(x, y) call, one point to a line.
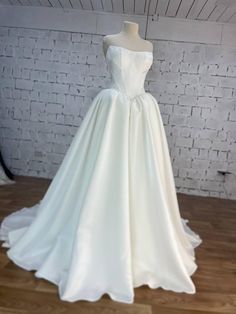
point(110, 220)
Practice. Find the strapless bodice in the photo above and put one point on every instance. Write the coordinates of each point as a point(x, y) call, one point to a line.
point(128, 69)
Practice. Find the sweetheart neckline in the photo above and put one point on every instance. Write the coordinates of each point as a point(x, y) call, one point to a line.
point(130, 50)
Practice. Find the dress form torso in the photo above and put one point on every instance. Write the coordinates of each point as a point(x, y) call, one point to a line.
point(128, 38)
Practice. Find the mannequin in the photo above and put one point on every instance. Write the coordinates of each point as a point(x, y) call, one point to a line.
point(6, 177)
point(128, 38)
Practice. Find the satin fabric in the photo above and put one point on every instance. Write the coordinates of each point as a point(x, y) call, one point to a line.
point(110, 220)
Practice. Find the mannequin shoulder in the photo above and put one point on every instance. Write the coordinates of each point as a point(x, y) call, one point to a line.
point(148, 44)
point(107, 39)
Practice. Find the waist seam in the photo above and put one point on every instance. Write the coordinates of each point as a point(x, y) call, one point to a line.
point(130, 97)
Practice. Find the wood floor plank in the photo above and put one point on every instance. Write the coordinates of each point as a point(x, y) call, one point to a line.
point(166, 310)
point(47, 303)
point(202, 301)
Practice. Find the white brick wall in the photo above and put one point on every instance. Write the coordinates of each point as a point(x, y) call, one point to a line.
point(49, 78)
point(195, 85)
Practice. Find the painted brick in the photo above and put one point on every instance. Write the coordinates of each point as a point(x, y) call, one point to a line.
point(24, 84)
point(49, 79)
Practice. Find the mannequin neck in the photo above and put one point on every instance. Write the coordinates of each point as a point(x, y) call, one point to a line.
point(130, 29)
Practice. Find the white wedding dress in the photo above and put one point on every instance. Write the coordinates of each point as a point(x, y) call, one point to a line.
point(110, 220)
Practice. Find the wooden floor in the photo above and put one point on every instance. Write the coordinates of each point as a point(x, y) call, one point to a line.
point(215, 279)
